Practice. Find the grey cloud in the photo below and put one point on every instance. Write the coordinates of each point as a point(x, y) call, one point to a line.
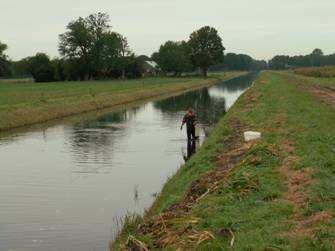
point(261, 28)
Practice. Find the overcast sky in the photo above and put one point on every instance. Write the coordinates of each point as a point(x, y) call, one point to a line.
point(260, 28)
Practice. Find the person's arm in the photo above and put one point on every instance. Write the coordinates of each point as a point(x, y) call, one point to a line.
point(195, 121)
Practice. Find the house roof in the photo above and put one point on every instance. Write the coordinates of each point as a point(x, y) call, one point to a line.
point(153, 64)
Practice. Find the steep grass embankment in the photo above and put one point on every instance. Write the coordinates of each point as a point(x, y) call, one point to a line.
point(273, 194)
point(30, 103)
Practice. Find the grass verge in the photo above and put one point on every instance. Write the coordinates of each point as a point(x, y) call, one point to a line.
point(272, 194)
point(24, 104)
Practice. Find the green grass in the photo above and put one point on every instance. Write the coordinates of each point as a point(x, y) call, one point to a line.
point(260, 216)
point(318, 72)
point(326, 82)
point(29, 103)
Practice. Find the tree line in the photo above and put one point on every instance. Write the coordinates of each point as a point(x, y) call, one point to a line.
point(203, 49)
point(315, 59)
point(90, 49)
point(239, 62)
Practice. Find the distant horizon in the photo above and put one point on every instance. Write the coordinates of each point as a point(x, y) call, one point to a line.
point(262, 30)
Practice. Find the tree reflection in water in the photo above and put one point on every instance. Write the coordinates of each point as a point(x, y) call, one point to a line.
point(237, 84)
point(207, 109)
point(91, 141)
point(191, 149)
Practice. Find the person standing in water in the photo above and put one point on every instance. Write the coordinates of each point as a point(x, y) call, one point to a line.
point(191, 149)
point(190, 120)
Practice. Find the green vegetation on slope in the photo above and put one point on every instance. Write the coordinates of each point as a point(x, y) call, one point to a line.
point(28, 103)
point(273, 194)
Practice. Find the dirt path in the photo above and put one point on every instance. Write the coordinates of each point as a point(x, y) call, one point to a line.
point(324, 94)
point(298, 182)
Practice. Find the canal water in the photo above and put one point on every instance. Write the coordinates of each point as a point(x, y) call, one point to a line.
point(65, 186)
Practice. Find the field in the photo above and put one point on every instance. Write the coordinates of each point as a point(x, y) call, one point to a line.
point(273, 194)
point(25, 103)
point(318, 72)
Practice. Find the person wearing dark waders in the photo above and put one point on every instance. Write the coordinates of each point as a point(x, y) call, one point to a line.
point(190, 120)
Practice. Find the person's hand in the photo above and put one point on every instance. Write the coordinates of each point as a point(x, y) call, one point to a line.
point(181, 128)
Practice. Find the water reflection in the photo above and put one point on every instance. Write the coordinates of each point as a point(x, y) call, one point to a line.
point(191, 149)
point(92, 141)
point(232, 89)
point(207, 109)
point(136, 194)
point(237, 84)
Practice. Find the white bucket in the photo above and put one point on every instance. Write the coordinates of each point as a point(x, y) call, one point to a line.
point(248, 136)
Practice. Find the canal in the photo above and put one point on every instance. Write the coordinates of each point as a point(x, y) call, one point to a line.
point(66, 186)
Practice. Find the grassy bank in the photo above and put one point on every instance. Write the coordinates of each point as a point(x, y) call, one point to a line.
point(273, 194)
point(29, 103)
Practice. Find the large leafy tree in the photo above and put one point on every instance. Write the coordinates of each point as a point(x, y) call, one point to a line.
point(91, 43)
point(98, 27)
point(77, 43)
point(125, 53)
point(317, 57)
point(173, 57)
point(3, 47)
point(317, 52)
point(4, 63)
point(206, 48)
point(115, 53)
